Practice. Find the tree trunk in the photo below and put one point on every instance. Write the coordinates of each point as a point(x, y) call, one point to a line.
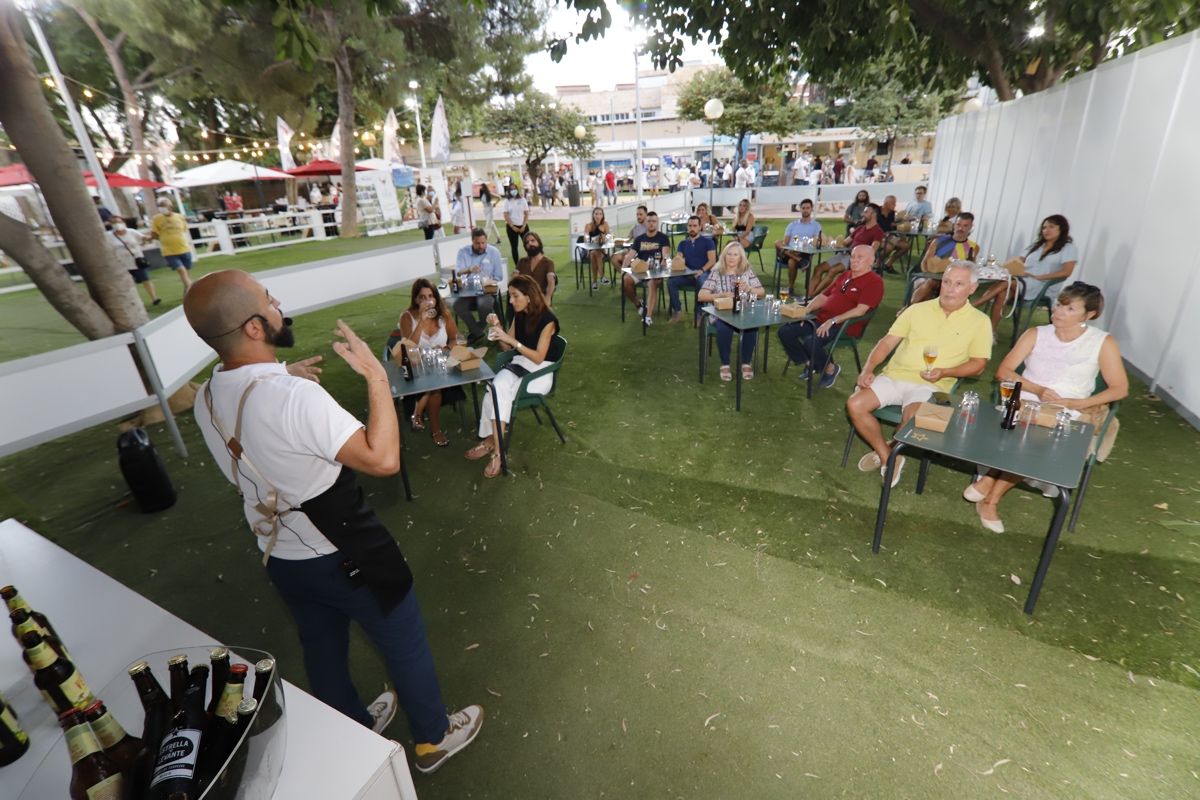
point(18, 241)
point(31, 127)
point(345, 90)
point(133, 114)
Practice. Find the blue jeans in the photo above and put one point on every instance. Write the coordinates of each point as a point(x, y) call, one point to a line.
point(679, 281)
point(323, 601)
point(800, 338)
point(725, 343)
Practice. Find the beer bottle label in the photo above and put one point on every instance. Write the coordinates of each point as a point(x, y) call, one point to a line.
point(30, 624)
point(76, 690)
point(230, 697)
point(177, 756)
point(9, 721)
point(108, 730)
point(111, 788)
point(41, 656)
point(18, 602)
point(81, 742)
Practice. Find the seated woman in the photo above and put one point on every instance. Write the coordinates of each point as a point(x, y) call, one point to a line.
point(1061, 361)
point(595, 231)
point(532, 329)
point(1051, 257)
point(953, 209)
point(732, 273)
point(854, 211)
point(429, 323)
point(706, 217)
point(538, 266)
point(743, 224)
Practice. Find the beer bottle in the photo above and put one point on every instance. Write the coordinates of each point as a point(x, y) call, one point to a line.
point(175, 769)
point(23, 623)
point(232, 693)
point(156, 704)
point(118, 745)
point(219, 661)
point(14, 601)
point(455, 286)
point(13, 741)
point(406, 368)
point(94, 776)
point(177, 667)
point(1011, 407)
point(61, 684)
point(263, 671)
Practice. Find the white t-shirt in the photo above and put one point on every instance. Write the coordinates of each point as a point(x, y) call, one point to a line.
point(292, 430)
point(314, 195)
point(727, 175)
point(516, 208)
point(131, 239)
point(744, 178)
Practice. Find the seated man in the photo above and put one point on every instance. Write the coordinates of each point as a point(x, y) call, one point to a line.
point(957, 334)
point(806, 226)
point(956, 245)
point(886, 215)
point(860, 291)
point(917, 214)
point(867, 232)
point(699, 252)
point(650, 246)
point(618, 259)
point(484, 259)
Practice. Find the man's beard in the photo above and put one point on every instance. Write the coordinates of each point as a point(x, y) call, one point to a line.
point(283, 336)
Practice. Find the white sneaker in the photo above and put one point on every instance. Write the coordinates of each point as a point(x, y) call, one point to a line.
point(464, 727)
point(383, 710)
point(896, 473)
point(869, 462)
point(648, 320)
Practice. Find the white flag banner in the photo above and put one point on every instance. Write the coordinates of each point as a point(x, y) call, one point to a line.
point(285, 133)
point(335, 143)
point(391, 146)
point(439, 135)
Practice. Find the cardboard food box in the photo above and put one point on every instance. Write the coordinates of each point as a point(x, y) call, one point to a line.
point(1015, 266)
point(723, 303)
point(934, 418)
point(640, 266)
point(491, 288)
point(935, 265)
point(466, 359)
point(793, 311)
point(397, 354)
point(904, 227)
point(677, 264)
point(841, 241)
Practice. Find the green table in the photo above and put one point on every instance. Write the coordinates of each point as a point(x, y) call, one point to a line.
point(643, 279)
point(1030, 451)
point(760, 317)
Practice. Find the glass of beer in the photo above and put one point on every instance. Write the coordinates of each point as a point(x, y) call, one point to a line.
point(1006, 390)
point(784, 293)
point(930, 354)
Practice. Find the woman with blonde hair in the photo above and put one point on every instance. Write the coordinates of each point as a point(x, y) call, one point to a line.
point(732, 274)
point(743, 224)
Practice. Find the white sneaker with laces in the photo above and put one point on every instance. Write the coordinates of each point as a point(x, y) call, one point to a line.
point(383, 710)
point(464, 727)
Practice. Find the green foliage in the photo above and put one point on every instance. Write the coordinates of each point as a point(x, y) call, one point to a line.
point(943, 42)
point(530, 127)
point(763, 108)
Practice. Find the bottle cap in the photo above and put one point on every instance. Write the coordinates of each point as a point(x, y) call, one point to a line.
point(218, 653)
point(247, 707)
point(239, 669)
point(177, 659)
point(140, 666)
point(265, 665)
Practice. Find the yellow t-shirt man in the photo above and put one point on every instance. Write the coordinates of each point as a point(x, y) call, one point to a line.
point(172, 231)
point(963, 334)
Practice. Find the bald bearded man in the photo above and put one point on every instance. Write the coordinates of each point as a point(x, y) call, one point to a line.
point(293, 452)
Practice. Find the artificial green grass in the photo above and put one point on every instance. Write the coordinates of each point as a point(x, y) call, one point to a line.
point(676, 560)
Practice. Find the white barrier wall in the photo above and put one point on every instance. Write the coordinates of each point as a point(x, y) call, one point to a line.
point(1113, 151)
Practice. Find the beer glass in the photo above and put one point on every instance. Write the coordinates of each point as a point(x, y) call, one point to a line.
point(930, 354)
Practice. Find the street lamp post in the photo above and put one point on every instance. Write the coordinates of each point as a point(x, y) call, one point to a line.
point(713, 110)
point(414, 103)
point(580, 135)
point(637, 113)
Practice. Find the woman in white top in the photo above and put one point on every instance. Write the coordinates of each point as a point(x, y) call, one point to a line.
point(458, 212)
point(1052, 257)
point(127, 244)
point(1061, 360)
point(429, 323)
point(489, 212)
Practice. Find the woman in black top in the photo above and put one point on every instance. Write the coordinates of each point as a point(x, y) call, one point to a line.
point(530, 334)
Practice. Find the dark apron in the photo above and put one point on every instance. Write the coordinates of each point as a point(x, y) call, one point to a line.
point(342, 515)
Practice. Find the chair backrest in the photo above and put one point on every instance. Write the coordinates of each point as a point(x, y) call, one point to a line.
point(758, 235)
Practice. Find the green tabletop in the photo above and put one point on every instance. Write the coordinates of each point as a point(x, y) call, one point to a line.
point(433, 380)
point(760, 317)
point(658, 274)
point(1032, 452)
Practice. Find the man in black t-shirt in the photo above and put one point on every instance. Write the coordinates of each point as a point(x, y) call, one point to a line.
point(650, 246)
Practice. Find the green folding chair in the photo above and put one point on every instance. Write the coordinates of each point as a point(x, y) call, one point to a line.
point(889, 415)
point(1027, 306)
point(527, 399)
point(758, 237)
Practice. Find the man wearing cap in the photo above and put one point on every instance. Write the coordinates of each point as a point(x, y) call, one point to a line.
point(294, 455)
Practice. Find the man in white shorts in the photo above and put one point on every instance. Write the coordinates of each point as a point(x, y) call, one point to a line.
point(959, 334)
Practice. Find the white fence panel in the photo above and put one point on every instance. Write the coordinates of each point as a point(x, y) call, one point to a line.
point(175, 350)
point(447, 250)
point(53, 394)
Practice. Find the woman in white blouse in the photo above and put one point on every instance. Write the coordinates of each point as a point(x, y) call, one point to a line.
point(1061, 360)
point(1051, 257)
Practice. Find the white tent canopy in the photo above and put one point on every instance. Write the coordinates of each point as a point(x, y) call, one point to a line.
point(377, 163)
point(228, 170)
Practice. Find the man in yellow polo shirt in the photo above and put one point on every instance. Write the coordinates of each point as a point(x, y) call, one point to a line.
point(961, 336)
point(171, 229)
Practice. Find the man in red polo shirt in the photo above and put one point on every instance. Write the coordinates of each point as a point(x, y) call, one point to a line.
point(854, 294)
point(868, 232)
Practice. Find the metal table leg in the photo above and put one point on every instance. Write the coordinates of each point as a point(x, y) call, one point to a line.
point(766, 336)
point(737, 371)
point(885, 494)
point(404, 479)
point(1056, 524)
point(703, 326)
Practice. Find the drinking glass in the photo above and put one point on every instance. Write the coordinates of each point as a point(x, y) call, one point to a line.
point(930, 354)
point(1029, 413)
point(1062, 424)
point(784, 293)
point(1006, 390)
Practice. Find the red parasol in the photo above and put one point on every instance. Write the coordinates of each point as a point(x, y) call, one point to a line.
point(322, 167)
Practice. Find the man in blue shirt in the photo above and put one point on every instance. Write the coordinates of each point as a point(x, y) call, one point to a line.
point(483, 259)
point(699, 252)
point(805, 227)
point(918, 213)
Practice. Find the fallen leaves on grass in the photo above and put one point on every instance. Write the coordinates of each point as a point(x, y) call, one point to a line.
point(711, 718)
point(1162, 506)
point(472, 646)
point(996, 766)
point(494, 693)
